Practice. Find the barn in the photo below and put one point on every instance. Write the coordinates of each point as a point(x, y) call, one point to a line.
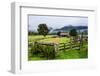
point(64, 34)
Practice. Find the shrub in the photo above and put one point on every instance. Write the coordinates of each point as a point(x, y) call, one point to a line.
point(46, 51)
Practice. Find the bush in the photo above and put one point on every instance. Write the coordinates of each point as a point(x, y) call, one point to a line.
point(46, 51)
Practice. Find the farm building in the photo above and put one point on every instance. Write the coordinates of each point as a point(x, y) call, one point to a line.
point(64, 34)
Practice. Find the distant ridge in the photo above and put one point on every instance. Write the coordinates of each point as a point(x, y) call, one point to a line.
point(69, 27)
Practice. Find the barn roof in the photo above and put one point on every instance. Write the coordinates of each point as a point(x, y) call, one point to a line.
point(64, 33)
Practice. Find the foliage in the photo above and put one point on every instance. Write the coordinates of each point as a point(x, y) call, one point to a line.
point(43, 29)
point(73, 32)
point(32, 33)
point(58, 33)
point(44, 51)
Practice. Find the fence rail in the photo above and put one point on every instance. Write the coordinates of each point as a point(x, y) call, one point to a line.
point(67, 46)
point(60, 46)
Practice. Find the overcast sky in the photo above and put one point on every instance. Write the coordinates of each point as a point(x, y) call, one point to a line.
point(56, 21)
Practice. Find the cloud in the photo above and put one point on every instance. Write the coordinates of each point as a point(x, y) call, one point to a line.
point(56, 21)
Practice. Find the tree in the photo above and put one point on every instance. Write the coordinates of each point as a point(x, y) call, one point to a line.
point(58, 33)
point(43, 29)
point(73, 33)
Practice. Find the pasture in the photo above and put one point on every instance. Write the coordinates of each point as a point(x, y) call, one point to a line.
point(69, 53)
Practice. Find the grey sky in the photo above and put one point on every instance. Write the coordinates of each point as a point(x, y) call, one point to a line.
point(56, 21)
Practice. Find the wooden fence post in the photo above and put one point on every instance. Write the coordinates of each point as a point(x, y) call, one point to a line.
point(81, 40)
point(56, 47)
point(64, 47)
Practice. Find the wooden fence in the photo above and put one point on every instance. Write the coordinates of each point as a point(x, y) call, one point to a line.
point(61, 46)
point(68, 46)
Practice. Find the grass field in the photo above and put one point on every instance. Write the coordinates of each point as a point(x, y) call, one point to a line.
point(56, 40)
point(32, 38)
point(67, 54)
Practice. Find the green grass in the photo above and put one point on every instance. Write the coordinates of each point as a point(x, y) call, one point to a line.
point(64, 40)
point(36, 58)
point(56, 40)
point(67, 54)
point(32, 38)
point(72, 54)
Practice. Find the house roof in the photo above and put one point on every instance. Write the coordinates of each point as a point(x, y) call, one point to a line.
point(64, 33)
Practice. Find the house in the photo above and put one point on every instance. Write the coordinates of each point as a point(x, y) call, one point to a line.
point(64, 34)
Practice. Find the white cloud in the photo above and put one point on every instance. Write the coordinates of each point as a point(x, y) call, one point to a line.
point(56, 21)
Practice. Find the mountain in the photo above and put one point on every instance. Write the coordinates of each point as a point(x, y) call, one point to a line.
point(69, 27)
